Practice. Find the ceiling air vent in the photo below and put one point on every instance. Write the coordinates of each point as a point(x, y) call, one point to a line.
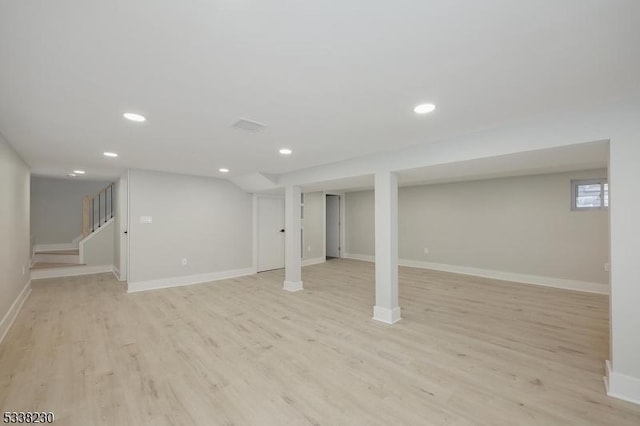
point(249, 125)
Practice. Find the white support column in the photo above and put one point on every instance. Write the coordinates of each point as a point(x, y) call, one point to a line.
point(623, 370)
point(386, 308)
point(293, 246)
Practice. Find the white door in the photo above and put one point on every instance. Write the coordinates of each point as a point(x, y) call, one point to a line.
point(270, 233)
point(333, 226)
point(123, 240)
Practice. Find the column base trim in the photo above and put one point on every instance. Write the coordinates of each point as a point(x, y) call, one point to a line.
point(293, 286)
point(621, 386)
point(386, 315)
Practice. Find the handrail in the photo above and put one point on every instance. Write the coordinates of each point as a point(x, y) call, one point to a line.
point(97, 210)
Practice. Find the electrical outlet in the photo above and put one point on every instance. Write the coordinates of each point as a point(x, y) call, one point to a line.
point(426, 250)
point(309, 248)
point(184, 261)
point(24, 269)
point(606, 266)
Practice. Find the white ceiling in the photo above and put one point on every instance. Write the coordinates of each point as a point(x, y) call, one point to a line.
point(584, 156)
point(332, 80)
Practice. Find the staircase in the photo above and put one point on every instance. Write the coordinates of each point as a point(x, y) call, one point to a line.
point(68, 259)
point(56, 257)
point(97, 210)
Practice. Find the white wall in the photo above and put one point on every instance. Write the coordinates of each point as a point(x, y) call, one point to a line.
point(14, 230)
point(98, 248)
point(205, 220)
point(56, 207)
point(522, 225)
point(313, 226)
point(360, 225)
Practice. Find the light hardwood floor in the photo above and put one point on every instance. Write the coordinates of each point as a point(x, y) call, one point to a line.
point(245, 352)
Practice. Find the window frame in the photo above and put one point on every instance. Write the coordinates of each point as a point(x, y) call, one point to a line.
point(575, 183)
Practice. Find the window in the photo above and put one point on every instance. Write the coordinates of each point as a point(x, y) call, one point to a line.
point(589, 194)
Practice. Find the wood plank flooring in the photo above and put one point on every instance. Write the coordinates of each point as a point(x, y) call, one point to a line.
point(468, 351)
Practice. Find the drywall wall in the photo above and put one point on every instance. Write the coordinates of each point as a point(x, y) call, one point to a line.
point(521, 225)
point(360, 225)
point(14, 232)
point(97, 249)
point(313, 226)
point(56, 207)
point(207, 221)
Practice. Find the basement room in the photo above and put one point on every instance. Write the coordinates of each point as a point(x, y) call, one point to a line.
point(354, 213)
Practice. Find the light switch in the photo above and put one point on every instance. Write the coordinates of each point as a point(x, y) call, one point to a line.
point(146, 219)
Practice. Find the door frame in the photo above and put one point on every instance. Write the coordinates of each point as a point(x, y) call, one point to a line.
point(256, 200)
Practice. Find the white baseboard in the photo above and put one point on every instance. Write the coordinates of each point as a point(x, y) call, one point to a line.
point(313, 261)
point(386, 315)
point(71, 271)
point(293, 286)
point(584, 286)
point(14, 310)
point(621, 386)
point(116, 273)
point(188, 280)
point(363, 257)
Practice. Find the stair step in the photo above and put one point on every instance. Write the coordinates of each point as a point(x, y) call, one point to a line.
point(59, 252)
point(46, 265)
point(45, 270)
point(72, 259)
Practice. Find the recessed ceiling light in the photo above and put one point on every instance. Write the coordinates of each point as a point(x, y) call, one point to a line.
point(78, 172)
point(110, 154)
point(224, 170)
point(72, 174)
point(134, 117)
point(424, 108)
point(285, 151)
